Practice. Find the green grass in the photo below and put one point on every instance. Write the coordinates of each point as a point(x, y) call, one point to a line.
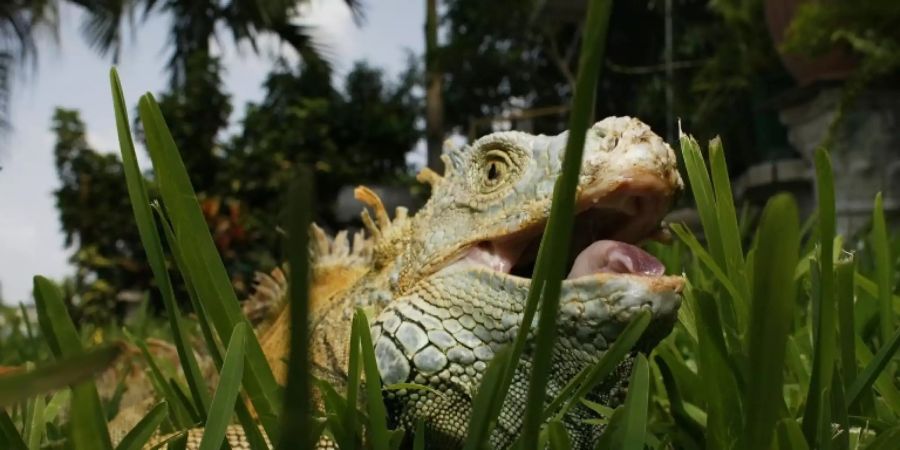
point(787, 337)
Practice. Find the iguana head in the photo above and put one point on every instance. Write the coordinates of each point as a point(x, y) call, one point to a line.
point(463, 277)
point(491, 206)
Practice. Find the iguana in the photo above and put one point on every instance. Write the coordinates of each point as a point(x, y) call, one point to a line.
point(447, 285)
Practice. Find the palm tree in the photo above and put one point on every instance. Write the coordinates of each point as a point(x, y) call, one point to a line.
point(194, 25)
point(19, 21)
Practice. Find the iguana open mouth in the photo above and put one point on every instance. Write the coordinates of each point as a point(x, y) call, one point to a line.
point(607, 229)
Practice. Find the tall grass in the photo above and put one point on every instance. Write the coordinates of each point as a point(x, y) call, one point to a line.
point(786, 339)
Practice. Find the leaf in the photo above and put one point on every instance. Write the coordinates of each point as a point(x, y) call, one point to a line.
point(56, 375)
point(180, 415)
point(873, 369)
point(36, 424)
point(845, 288)
point(701, 187)
point(141, 433)
point(634, 422)
point(9, 435)
point(717, 370)
point(297, 413)
point(886, 440)
point(148, 231)
point(593, 375)
point(480, 426)
point(771, 316)
point(221, 408)
point(823, 299)
point(884, 269)
point(377, 429)
point(683, 420)
point(202, 263)
point(419, 439)
point(726, 219)
point(87, 426)
point(558, 436)
point(790, 436)
point(552, 253)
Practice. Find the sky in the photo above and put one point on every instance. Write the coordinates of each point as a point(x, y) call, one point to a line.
point(70, 74)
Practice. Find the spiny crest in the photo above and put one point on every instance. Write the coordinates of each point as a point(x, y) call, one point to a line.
point(328, 252)
point(387, 235)
point(269, 292)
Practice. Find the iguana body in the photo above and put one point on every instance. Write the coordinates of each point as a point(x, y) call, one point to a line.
point(447, 286)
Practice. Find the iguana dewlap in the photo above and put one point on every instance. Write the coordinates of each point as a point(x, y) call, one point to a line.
point(447, 286)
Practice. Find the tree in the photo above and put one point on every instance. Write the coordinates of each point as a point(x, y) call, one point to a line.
point(19, 22)
point(359, 134)
point(95, 216)
point(506, 55)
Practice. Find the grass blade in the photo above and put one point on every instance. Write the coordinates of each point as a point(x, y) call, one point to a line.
point(634, 424)
point(683, 420)
point(790, 436)
point(558, 438)
point(697, 249)
point(595, 374)
point(140, 205)
point(845, 286)
point(296, 416)
point(36, 425)
point(480, 420)
point(353, 367)
point(553, 251)
point(202, 262)
point(717, 369)
point(419, 440)
point(378, 431)
point(774, 292)
point(9, 435)
point(62, 373)
point(884, 269)
point(701, 187)
point(824, 328)
point(886, 440)
point(180, 415)
point(144, 429)
point(221, 409)
point(729, 231)
point(87, 426)
point(873, 369)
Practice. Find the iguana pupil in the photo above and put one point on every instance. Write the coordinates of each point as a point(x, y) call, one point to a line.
point(493, 172)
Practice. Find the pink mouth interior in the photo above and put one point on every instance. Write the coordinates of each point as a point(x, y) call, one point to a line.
point(615, 257)
point(599, 244)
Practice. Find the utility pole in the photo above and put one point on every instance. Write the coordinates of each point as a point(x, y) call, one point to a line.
point(434, 100)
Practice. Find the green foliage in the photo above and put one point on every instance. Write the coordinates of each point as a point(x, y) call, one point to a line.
point(356, 135)
point(767, 375)
point(93, 210)
point(360, 135)
point(868, 27)
point(507, 55)
point(778, 378)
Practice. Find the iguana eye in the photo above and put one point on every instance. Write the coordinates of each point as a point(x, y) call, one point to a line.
point(495, 169)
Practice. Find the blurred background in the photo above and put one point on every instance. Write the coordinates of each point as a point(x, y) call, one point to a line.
point(366, 92)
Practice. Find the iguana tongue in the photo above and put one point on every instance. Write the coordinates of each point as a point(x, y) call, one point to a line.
point(615, 257)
